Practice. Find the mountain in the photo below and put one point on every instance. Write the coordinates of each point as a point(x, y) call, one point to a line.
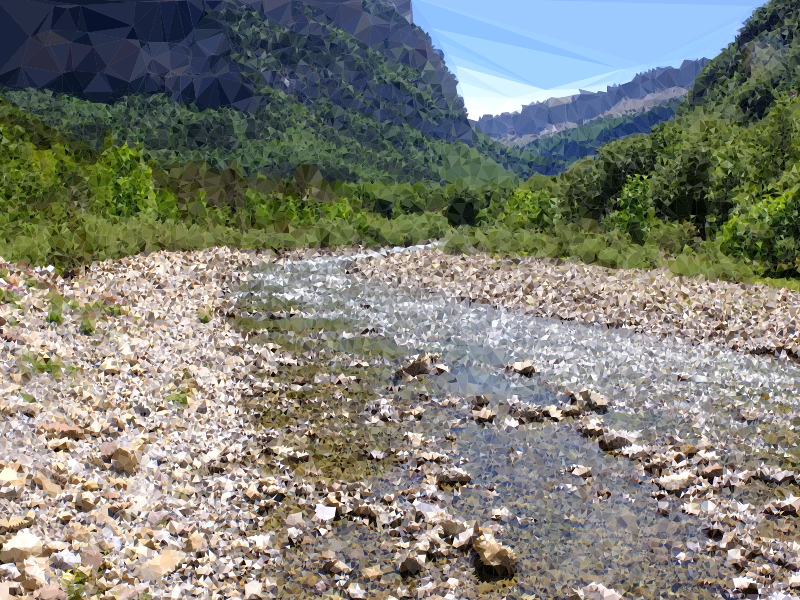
point(219, 53)
point(646, 91)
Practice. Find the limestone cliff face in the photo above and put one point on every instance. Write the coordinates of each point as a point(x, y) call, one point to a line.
point(197, 51)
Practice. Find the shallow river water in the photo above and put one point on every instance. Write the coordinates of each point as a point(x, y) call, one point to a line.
point(566, 531)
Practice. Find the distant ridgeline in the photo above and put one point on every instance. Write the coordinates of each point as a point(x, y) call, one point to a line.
point(548, 137)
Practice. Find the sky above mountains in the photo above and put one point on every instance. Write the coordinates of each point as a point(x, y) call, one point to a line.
point(509, 53)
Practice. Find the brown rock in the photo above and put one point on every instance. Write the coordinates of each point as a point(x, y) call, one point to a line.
point(410, 564)
point(49, 487)
point(14, 524)
point(483, 415)
point(712, 471)
point(62, 430)
point(196, 543)
point(22, 546)
point(34, 573)
point(453, 476)
point(336, 567)
point(614, 440)
point(502, 561)
point(125, 460)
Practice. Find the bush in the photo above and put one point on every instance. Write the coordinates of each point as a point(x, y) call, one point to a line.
point(634, 212)
point(464, 206)
point(526, 208)
point(767, 231)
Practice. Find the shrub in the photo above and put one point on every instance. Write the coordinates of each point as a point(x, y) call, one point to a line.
point(634, 213)
point(767, 231)
point(525, 208)
point(464, 206)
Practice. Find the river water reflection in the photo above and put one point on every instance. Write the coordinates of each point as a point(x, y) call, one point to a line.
point(566, 531)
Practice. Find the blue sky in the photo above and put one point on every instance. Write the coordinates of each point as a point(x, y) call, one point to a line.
point(508, 53)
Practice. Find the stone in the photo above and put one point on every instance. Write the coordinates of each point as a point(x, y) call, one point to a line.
point(483, 415)
point(196, 543)
point(336, 567)
point(614, 440)
point(14, 524)
point(419, 366)
point(597, 591)
point(161, 565)
point(325, 513)
point(675, 482)
point(451, 527)
point(92, 558)
point(712, 471)
point(524, 368)
point(580, 471)
point(62, 430)
point(591, 427)
point(593, 400)
point(65, 560)
point(9, 571)
point(453, 476)
point(22, 546)
point(48, 486)
point(746, 585)
point(411, 564)
point(52, 591)
point(86, 501)
point(499, 559)
point(466, 538)
point(125, 460)
point(33, 573)
point(252, 589)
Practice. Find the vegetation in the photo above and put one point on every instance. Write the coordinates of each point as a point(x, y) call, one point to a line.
point(712, 191)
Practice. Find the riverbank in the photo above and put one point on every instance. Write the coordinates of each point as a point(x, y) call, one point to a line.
point(166, 453)
point(756, 319)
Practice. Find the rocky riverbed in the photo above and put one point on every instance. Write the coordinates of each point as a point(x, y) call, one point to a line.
point(351, 428)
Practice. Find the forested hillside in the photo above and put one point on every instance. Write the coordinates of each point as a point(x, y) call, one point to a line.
point(726, 166)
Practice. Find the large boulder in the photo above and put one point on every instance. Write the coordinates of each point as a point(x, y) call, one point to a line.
point(495, 557)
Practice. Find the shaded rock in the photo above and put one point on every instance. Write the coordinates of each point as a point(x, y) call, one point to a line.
point(336, 567)
point(9, 571)
point(614, 440)
point(495, 557)
point(483, 415)
point(453, 476)
point(591, 428)
point(746, 585)
point(524, 368)
point(65, 560)
point(580, 471)
point(14, 524)
point(591, 400)
point(62, 430)
point(422, 365)
point(410, 564)
point(712, 471)
point(33, 573)
point(466, 538)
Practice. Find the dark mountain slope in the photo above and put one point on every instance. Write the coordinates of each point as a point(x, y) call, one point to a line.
point(364, 56)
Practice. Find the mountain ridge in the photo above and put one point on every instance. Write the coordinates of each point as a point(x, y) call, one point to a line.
point(578, 109)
